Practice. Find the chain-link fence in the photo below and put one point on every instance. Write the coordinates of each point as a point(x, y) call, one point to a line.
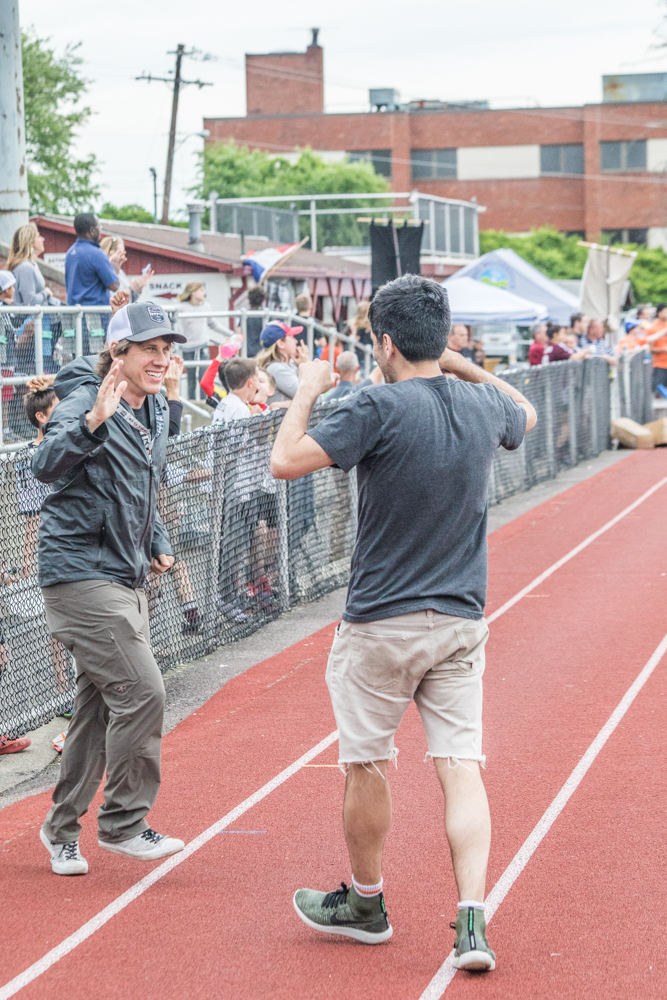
point(572, 400)
point(249, 547)
point(634, 387)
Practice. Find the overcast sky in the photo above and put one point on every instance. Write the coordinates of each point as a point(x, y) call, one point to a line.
point(513, 53)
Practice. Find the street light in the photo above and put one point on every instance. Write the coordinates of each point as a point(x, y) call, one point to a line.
point(204, 134)
point(153, 171)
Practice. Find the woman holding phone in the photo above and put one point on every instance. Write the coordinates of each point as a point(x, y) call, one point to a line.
point(114, 248)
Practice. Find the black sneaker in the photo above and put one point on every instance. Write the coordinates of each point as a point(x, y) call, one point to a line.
point(471, 949)
point(344, 912)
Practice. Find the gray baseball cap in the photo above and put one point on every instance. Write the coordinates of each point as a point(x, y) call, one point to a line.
point(140, 321)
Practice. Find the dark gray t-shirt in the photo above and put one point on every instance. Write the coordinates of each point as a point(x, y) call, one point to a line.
point(423, 450)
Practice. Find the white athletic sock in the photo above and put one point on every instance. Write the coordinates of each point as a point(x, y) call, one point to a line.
point(465, 903)
point(367, 890)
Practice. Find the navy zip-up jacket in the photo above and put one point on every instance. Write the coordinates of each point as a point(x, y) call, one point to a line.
point(101, 521)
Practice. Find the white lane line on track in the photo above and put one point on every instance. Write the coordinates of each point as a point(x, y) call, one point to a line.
point(446, 972)
point(167, 866)
point(575, 552)
point(44, 963)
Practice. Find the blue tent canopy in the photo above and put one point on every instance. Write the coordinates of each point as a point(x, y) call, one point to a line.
point(505, 269)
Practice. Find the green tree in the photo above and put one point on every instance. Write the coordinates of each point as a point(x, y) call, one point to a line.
point(236, 172)
point(52, 88)
point(125, 213)
point(559, 256)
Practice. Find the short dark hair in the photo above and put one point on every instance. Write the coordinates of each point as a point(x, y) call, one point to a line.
point(235, 373)
point(38, 402)
point(84, 222)
point(256, 296)
point(414, 312)
point(660, 306)
point(576, 318)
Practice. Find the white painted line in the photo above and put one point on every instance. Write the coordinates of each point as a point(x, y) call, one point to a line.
point(11, 988)
point(574, 552)
point(167, 866)
point(446, 972)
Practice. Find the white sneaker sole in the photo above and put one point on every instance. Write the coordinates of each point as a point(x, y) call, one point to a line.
point(366, 937)
point(66, 868)
point(474, 961)
point(153, 855)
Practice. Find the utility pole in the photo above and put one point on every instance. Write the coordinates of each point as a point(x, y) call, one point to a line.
point(153, 173)
point(14, 204)
point(177, 82)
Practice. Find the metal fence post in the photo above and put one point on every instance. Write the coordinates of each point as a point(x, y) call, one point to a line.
point(39, 357)
point(549, 422)
point(313, 225)
point(626, 362)
point(594, 409)
point(218, 450)
point(244, 331)
point(332, 344)
point(572, 413)
point(310, 337)
point(78, 333)
point(367, 360)
point(283, 545)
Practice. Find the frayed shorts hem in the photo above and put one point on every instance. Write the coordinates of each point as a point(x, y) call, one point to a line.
point(457, 759)
point(369, 762)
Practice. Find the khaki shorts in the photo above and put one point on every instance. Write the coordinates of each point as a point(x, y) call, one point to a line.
point(375, 670)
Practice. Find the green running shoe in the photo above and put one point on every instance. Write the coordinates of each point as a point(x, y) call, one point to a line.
point(471, 949)
point(344, 912)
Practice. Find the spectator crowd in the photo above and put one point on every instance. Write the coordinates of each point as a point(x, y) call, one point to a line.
point(587, 338)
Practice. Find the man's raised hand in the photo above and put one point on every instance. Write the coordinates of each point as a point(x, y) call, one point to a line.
point(108, 397)
point(317, 376)
point(119, 299)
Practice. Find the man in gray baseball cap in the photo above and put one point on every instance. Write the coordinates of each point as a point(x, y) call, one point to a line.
point(141, 321)
point(105, 450)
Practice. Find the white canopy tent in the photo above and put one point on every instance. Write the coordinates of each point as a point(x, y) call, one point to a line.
point(504, 269)
point(474, 302)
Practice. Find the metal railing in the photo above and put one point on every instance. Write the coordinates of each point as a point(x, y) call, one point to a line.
point(19, 366)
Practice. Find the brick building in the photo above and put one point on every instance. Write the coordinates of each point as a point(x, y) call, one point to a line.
point(600, 168)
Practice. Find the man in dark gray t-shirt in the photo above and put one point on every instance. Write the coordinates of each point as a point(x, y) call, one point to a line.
point(413, 626)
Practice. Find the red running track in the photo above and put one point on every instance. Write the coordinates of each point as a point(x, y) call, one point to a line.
point(586, 917)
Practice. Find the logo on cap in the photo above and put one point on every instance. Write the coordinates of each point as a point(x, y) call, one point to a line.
point(155, 313)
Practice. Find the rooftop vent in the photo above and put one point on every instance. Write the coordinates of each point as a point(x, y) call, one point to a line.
point(384, 99)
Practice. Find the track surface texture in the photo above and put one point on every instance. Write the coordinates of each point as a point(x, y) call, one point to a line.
point(584, 919)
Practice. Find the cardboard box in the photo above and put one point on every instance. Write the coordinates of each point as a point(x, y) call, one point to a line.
point(631, 434)
point(658, 429)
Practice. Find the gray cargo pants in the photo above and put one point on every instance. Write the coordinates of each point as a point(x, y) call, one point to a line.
point(118, 710)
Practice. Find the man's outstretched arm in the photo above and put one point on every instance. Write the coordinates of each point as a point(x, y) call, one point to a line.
point(469, 372)
point(295, 453)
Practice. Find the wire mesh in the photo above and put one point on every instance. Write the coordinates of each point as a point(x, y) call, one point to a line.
point(572, 400)
point(634, 386)
point(249, 547)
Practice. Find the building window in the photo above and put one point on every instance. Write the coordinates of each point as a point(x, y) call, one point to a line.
point(432, 164)
point(639, 236)
point(623, 156)
point(380, 158)
point(564, 159)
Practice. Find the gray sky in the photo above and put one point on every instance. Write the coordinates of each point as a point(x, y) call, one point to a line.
point(513, 53)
